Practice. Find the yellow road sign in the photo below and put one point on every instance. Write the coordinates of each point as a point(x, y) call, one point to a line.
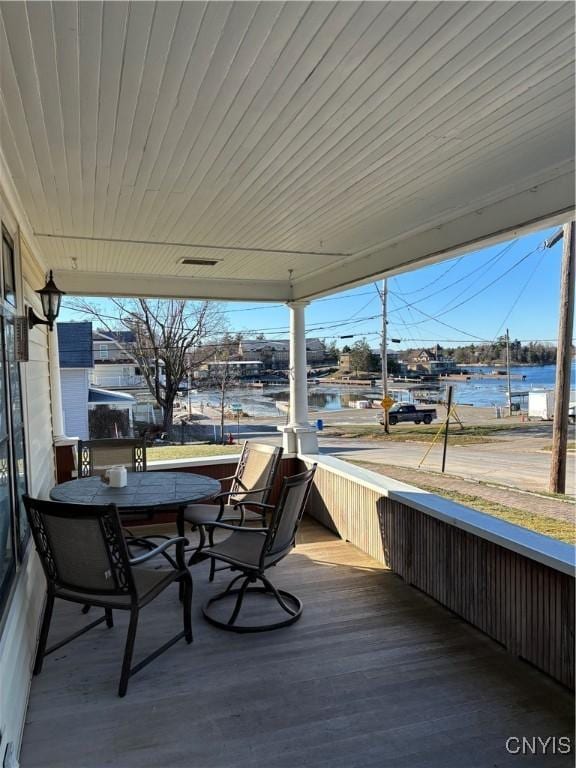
point(387, 403)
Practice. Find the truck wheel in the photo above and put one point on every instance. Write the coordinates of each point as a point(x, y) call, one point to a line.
point(427, 419)
point(392, 420)
point(417, 421)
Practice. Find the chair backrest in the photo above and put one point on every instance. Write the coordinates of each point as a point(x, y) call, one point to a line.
point(288, 513)
point(256, 469)
point(81, 547)
point(96, 456)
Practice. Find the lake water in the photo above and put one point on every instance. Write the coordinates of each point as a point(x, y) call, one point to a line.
point(487, 392)
point(477, 391)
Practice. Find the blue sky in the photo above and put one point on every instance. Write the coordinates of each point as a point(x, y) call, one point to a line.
point(517, 283)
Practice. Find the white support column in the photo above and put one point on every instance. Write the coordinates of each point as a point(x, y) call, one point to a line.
point(55, 387)
point(299, 434)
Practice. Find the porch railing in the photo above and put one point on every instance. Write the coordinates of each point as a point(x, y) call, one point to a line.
point(513, 584)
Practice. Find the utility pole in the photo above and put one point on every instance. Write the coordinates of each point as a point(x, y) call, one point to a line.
point(446, 427)
point(384, 349)
point(508, 369)
point(563, 359)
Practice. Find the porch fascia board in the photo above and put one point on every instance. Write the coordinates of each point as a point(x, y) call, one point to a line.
point(543, 204)
point(80, 283)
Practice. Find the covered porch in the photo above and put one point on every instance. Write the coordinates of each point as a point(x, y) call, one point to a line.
point(432, 635)
point(278, 153)
point(375, 673)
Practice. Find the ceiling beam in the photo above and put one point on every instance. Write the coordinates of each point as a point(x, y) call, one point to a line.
point(80, 283)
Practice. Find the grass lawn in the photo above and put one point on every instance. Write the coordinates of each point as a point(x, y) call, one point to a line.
point(195, 451)
point(548, 526)
point(457, 435)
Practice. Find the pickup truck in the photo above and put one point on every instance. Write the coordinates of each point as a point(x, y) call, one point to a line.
point(409, 413)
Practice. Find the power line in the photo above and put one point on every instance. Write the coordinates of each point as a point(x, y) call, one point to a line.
point(278, 328)
point(125, 346)
point(484, 288)
point(436, 280)
point(520, 293)
point(486, 265)
point(259, 308)
point(441, 322)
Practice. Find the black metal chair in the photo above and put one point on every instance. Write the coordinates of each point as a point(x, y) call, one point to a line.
point(252, 551)
point(96, 456)
point(245, 500)
point(86, 560)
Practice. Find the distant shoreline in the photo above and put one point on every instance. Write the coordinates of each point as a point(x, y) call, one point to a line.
point(503, 365)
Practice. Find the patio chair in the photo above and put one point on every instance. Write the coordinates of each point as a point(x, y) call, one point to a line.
point(252, 551)
point(86, 560)
point(250, 486)
point(96, 456)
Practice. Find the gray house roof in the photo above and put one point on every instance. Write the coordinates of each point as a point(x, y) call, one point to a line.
point(98, 396)
point(75, 345)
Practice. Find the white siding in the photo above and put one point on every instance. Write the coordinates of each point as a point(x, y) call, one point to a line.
point(74, 382)
point(20, 623)
point(115, 375)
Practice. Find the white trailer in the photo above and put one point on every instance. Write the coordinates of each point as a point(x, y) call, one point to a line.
point(541, 405)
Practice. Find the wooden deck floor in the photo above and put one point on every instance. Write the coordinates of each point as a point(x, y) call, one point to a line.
point(374, 675)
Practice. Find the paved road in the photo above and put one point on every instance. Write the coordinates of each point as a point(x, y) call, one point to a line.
point(510, 462)
point(516, 460)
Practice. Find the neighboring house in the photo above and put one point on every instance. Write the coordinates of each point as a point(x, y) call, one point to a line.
point(429, 361)
point(241, 369)
point(276, 353)
point(114, 365)
point(76, 363)
point(392, 354)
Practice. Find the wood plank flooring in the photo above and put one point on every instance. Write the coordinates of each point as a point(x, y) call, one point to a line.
point(375, 674)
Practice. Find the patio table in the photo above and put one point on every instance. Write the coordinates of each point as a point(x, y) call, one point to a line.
point(144, 490)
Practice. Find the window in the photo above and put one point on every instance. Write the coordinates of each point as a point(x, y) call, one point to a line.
point(7, 554)
point(8, 281)
point(14, 531)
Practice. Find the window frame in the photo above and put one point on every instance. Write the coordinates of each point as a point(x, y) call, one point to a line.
point(19, 531)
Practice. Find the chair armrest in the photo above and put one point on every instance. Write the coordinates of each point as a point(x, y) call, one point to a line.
point(158, 550)
point(256, 504)
point(248, 501)
point(239, 528)
point(223, 494)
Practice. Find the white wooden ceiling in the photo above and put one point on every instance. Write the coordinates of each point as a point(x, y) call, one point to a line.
point(337, 140)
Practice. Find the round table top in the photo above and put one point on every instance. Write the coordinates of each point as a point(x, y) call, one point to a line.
point(144, 489)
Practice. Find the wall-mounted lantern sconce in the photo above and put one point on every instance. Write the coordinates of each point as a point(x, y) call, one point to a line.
point(51, 296)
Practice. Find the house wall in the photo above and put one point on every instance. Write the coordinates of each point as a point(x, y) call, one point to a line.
point(74, 383)
point(20, 621)
point(115, 375)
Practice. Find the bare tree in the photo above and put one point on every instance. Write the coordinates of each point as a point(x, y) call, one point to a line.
point(166, 339)
point(223, 374)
